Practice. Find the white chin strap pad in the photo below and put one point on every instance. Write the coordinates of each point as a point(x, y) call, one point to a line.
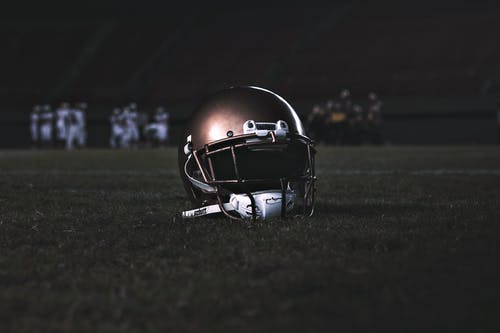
point(267, 205)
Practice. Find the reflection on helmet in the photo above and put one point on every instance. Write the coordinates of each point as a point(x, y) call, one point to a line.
point(245, 155)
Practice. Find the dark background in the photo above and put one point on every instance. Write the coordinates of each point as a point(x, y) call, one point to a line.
point(403, 239)
point(436, 65)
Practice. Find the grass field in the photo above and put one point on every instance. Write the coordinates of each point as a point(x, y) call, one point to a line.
point(404, 239)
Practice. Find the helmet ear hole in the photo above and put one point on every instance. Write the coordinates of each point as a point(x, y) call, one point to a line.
point(281, 125)
point(249, 126)
point(188, 148)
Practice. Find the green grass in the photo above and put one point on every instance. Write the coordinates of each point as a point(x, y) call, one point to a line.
point(404, 239)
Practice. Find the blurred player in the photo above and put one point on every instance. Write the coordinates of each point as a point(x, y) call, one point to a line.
point(338, 112)
point(81, 114)
point(345, 101)
point(45, 119)
point(126, 126)
point(150, 136)
point(134, 123)
point(374, 119)
point(73, 129)
point(316, 123)
point(62, 114)
point(142, 122)
point(161, 118)
point(116, 128)
point(34, 125)
point(156, 133)
point(355, 127)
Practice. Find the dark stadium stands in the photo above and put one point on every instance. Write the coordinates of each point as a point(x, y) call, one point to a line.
point(36, 55)
point(309, 53)
point(404, 55)
point(423, 61)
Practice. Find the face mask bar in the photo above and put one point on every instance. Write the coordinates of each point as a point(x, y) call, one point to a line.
point(251, 141)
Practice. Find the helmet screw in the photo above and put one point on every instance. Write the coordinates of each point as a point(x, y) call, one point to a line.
point(229, 134)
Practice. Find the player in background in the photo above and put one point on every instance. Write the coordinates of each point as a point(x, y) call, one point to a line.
point(34, 125)
point(134, 124)
point(345, 100)
point(116, 128)
point(81, 115)
point(126, 125)
point(345, 110)
point(162, 118)
point(61, 114)
point(150, 133)
point(336, 121)
point(355, 127)
point(374, 119)
point(142, 122)
point(156, 133)
point(46, 118)
point(73, 129)
point(316, 123)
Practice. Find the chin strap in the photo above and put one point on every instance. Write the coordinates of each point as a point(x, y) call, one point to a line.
point(267, 205)
point(206, 210)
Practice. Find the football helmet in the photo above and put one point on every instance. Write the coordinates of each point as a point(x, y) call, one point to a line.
point(244, 154)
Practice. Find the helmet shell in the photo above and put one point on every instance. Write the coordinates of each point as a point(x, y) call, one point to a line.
point(229, 109)
point(223, 114)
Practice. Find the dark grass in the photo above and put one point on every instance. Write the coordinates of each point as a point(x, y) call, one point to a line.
point(90, 241)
